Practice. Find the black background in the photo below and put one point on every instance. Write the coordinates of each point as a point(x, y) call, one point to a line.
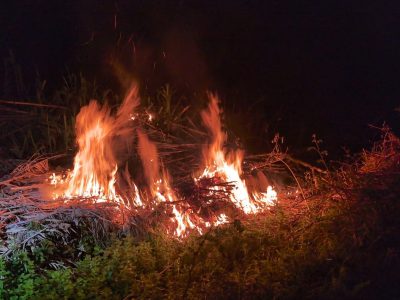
point(326, 67)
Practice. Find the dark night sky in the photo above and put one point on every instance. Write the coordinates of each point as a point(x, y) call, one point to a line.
point(311, 67)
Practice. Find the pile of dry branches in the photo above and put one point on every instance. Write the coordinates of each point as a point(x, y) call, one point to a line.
point(27, 218)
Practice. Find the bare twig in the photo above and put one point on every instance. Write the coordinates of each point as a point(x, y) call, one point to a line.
point(23, 103)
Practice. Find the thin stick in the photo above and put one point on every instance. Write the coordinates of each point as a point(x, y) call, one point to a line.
point(295, 178)
point(304, 164)
point(32, 104)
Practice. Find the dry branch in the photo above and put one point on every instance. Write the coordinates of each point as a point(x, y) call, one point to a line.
point(25, 103)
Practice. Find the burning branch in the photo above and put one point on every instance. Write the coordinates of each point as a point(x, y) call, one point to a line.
point(198, 201)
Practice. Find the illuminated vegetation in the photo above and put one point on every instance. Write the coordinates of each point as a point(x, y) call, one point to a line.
point(337, 239)
point(341, 242)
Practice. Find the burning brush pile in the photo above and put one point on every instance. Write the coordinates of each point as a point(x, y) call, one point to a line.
point(104, 184)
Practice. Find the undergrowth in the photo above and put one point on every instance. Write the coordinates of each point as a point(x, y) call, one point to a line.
point(45, 122)
point(340, 242)
point(343, 244)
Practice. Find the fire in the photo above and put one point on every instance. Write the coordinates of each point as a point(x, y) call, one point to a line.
point(269, 197)
point(99, 134)
point(228, 167)
point(161, 190)
point(95, 164)
point(221, 219)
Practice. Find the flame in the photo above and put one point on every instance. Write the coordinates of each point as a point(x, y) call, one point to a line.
point(221, 219)
point(99, 134)
point(269, 197)
point(183, 219)
point(228, 167)
point(95, 164)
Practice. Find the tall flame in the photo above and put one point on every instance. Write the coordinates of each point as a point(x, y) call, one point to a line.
point(228, 167)
point(95, 164)
point(100, 133)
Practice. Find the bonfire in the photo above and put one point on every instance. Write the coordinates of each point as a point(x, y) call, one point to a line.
point(102, 184)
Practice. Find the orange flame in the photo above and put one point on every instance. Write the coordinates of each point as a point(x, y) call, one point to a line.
point(228, 167)
point(95, 164)
point(161, 190)
point(95, 169)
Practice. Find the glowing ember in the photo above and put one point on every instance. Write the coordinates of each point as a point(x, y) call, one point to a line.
point(228, 167)
point(150, 117)
point(221, 219)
